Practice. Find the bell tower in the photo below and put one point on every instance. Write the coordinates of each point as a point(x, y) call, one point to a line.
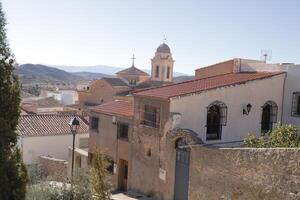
point(162, 64)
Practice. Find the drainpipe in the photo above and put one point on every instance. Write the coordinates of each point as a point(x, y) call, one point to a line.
point(282, 101)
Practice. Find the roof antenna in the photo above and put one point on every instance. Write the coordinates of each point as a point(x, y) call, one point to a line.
point(266, 55)
point(133, 58)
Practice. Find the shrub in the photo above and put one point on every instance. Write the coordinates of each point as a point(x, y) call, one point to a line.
point(285, 136)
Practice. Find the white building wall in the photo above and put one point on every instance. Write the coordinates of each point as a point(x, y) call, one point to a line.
point(68, 97)
point(193, 108)
point(55, 146)
point(292, 84)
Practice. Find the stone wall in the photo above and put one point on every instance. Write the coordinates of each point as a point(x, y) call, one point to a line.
point(56, 169)
point(238, 174)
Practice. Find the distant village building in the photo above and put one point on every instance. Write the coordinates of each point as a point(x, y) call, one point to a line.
point(49, 135)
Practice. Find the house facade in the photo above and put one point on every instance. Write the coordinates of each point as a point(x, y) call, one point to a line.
point(110, 132)
point(49, 135)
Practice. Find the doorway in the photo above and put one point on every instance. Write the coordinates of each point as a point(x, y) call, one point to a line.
point(182, 172)
point(123, 175)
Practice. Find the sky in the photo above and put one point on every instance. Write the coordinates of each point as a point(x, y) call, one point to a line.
point(108, 32)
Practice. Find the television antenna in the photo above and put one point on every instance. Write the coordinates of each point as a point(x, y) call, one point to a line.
point(266, 55)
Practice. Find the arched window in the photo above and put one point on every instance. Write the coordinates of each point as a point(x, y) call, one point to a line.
point(157, 71)
point(168, 72)
point(269, 116)
point(216, 118)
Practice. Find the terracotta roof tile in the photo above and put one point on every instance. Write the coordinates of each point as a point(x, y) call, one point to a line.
point(53, 124)
point(198, 85)
point(122, 108)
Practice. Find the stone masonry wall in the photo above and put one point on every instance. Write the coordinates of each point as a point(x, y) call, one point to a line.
point(238, 174)
point(52, 167)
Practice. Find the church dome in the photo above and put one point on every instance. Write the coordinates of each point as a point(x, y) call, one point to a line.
point(163, 48)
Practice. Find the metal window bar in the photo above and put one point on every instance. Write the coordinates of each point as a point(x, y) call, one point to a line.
point(150, 116)
point(296, 104)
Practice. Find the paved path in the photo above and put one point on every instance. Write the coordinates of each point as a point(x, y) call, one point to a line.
point(123, 196)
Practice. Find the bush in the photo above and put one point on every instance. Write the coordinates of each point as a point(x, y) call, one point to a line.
point(285, 136)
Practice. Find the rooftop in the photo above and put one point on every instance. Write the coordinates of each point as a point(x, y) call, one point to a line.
point(118, 107)
point(115, 81)
point(133, 71)
point(199, 85)
point(52, 124)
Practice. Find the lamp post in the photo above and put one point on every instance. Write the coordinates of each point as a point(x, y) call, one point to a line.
point(74, 126)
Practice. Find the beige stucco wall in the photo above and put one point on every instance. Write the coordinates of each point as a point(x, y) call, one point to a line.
point(99, 92)
point(213, 70)
point(193, 108)
point(55, 146)
point(240, 174)
point(106, 141)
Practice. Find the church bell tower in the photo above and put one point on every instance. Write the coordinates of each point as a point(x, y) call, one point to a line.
point(162, 64)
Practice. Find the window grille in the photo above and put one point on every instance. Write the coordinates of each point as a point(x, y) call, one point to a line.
point(150, 116)
point(269, 116)
point(216, 118)
point(296, 104)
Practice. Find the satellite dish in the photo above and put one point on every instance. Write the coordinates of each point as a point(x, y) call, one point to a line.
point(266, 55)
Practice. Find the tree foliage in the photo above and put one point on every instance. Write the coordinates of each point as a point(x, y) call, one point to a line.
point(100, 188)
point(13, 174)
point(285, 136)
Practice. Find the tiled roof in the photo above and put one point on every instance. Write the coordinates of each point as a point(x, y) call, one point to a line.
point(133, 71)
point(115, 81)
point(52, 124)
point(118, 107)
point(198, 85)
point(150, 84)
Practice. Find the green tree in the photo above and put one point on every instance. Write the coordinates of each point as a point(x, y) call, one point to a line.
point(13, 174)
point(100, 188)
point(285, 136)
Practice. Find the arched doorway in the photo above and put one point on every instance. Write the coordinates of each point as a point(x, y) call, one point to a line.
point(269, 117)
point(216, 118)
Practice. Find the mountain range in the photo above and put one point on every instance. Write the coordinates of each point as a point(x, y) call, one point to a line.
point(37, 73)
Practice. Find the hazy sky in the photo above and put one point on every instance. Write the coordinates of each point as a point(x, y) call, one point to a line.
point(92, 32)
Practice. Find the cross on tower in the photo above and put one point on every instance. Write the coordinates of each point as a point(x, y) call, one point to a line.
point(133, 58)
point(164, 39)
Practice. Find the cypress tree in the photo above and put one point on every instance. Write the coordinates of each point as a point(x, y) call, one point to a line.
point(13, 174)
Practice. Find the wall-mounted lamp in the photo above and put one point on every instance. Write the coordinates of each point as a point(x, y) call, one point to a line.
point(247, 109)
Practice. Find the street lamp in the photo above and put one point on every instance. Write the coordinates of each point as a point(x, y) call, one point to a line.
point(74, 126)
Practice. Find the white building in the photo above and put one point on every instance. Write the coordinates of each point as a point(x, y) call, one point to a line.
point(229, 100)
point(68, 97)
point(49, 135)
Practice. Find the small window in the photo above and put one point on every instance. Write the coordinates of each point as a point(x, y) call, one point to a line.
point(123, 131)
point(150, 116)
point(110, 165)
point(168, 72)
point(94, 123)
point(296, 104)
point(148, 153)
point(157, 71)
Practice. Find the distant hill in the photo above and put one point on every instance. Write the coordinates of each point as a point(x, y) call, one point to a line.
point(104, 69)
point(180, 79)
point(36, 73)
point(90, 75)
point(30, 73)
